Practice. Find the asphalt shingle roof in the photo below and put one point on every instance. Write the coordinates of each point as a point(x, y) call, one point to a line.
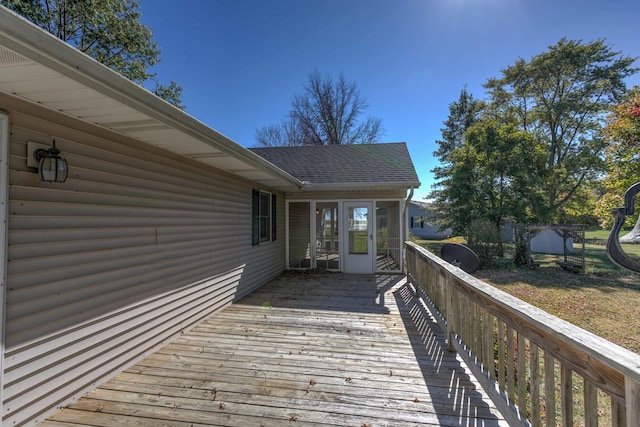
point(345, 164)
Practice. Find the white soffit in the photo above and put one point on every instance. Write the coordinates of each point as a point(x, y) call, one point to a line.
point(106, 99)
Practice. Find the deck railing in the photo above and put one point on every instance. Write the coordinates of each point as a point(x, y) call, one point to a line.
point(538, 369)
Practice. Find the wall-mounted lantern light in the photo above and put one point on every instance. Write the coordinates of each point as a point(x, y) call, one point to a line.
point(51, 167)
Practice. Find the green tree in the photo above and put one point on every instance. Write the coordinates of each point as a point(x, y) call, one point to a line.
point(560, 98)
point(110, 31)
point(327, 112)
point(491, 176)
point(171, 93)
point(623, 161)
point(463, 113)
point(450, 189)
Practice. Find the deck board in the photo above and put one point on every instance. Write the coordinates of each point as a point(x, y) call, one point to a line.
point(317, 350)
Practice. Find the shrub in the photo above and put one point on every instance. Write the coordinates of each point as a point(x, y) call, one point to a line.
point(485, 241)
point(520, 255)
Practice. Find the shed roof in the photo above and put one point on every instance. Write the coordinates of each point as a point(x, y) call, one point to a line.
point(338, 166)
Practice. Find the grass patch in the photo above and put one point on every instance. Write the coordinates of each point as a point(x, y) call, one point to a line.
point(605, 300)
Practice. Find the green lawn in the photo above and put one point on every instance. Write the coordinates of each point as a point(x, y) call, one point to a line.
point(359, 242)
point(605, 300)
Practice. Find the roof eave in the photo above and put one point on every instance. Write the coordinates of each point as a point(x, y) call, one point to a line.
point(28, 40)
point(359, 186)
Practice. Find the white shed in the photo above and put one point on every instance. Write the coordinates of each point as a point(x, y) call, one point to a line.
point(550, 241)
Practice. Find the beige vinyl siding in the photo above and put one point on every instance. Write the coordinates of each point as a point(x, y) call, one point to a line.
point(134, 248)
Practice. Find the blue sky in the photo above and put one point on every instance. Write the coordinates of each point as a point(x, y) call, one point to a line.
point(241, 61)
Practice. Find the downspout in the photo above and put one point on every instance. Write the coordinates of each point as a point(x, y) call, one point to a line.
point(405, 228)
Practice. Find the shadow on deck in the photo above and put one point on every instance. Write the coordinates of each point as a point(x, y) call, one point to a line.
point(321, 350)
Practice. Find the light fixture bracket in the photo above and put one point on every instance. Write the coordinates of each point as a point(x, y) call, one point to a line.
point(32, 148)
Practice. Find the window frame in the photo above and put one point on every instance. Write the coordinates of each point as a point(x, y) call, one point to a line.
point(265, 217)
point(264, 209)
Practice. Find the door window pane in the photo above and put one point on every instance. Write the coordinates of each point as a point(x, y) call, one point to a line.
point(358, 231)
point(265, 216)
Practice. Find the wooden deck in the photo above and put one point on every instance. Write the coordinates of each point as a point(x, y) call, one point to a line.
point(321, 350)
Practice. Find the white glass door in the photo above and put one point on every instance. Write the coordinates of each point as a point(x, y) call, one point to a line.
point(358, 237)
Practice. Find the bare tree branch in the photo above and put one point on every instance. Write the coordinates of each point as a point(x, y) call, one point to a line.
point(327, 112)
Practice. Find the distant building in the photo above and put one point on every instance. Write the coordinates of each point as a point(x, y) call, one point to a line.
point(422, 222)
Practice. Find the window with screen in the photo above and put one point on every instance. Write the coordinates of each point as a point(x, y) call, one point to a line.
point(263, 217)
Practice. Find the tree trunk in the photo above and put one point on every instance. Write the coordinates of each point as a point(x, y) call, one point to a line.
point(633, 236)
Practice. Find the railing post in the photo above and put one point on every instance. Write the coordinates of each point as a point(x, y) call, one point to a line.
point(632, 400)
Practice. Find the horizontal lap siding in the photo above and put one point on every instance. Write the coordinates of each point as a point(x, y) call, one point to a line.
point(135, 247)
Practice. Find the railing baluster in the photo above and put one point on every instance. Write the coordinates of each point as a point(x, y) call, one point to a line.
point(434, 283)
point(522, 376)
point(453, 315)
point(501, 365)
point(422, 277)
point(471, 324)
point(590, 404)
point(471, 327)
point(566, 395)
point(511, 370)
point(471, 307)
point(549, 390)
point(440, 283)
point(462, 317)
point(618, 414)
point(477, 330)
point(481, 319)
point(488, 321)
point(534, 384)
point(632, 391)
